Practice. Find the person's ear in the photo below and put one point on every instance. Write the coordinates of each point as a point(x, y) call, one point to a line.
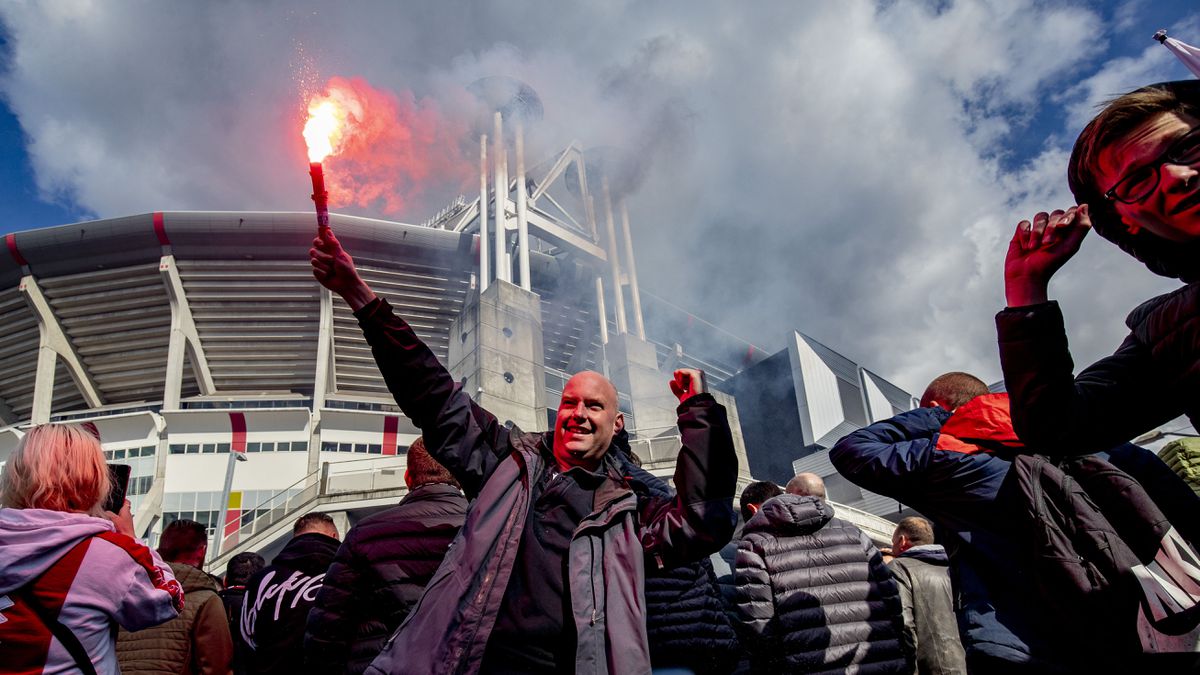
point(1127, 221)
point(753, 508)
point(619, 423)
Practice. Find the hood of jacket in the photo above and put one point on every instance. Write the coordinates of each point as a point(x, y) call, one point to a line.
point(31, 540)
point(309, 553)
point(427, 491)
point(983, 424)
point(1166, 258)
point(934, 554)
point(790, 515)
point(193, 578)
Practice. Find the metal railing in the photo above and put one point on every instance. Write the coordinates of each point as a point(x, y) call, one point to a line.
point(332, 479)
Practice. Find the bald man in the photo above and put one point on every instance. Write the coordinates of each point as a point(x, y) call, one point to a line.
point(806, 485)
point(547, 573)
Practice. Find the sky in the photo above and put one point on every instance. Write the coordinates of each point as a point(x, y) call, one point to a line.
point(852, 170)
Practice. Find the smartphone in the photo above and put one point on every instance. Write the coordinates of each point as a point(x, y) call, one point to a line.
point(119, 475)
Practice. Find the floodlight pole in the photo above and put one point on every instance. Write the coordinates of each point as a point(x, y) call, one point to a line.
point(219, 535)
point(503, 266)
point(484, 249)
point(614, 262)
point(522, 209)
point(631, 269)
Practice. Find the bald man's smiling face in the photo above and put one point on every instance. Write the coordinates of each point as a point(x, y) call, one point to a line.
point(588, 418)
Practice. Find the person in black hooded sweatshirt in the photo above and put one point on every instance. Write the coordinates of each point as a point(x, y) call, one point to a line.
point(278, 599)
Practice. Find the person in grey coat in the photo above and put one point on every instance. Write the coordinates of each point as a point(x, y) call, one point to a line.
point(547, 574)
point(921, 569)
point(814, 590)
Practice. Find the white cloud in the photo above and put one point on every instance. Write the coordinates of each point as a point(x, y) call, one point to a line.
point(822, 166)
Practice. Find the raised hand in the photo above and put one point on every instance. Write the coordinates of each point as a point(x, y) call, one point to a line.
point(334, 269)
point(1039, 249)
point(123, 521)
point(687, 383)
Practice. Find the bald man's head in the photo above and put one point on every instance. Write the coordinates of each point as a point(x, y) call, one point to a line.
point(806, 485)
point(588, 418)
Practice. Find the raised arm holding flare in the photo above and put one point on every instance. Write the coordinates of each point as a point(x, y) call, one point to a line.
point(547, 573)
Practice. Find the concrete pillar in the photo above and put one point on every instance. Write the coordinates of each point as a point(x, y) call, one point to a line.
point(633, 368)
point(341, 520)
point(496, 351)
point(739, 443)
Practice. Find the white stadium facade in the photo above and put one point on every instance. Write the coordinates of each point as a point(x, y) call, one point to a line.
point(185, 335)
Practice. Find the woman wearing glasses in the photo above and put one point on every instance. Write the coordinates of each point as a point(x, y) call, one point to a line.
point(1135, 172)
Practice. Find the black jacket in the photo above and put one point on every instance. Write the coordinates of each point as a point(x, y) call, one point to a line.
point(378, 574)
point(817, 593)
point(1152, 378)
point(233, 597)
point(686, 617)
point(285, 589)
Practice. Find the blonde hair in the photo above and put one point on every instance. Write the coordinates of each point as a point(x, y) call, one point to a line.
point(58, 467)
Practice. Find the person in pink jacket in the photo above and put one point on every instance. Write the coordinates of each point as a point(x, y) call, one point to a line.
point(70, 572)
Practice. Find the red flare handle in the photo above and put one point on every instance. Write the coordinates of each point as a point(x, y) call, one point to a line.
point(319, 196)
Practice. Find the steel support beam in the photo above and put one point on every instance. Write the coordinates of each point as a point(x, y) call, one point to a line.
point(53, 345)
point(184, 337)
point(324, 379)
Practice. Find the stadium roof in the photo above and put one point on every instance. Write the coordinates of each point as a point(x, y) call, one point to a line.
point(238, 290)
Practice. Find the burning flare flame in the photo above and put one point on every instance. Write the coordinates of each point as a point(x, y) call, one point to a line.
point(323, 130)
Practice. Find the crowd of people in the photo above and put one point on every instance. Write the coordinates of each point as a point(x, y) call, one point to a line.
point(1046, 542)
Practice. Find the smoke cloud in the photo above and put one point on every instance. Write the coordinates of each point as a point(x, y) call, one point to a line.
point(393, 148)
point(851, 170)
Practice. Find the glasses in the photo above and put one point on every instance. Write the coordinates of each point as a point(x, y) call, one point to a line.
point(1141, 182)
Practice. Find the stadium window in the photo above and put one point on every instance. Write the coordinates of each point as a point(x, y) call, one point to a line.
point(193, 448)
point(118, 454)
point(208, 448)
point(299, 446)
point(282, 446)
point(329, 446)
point(253, 447)
point(360, 447)
point(375, 449)
point(222, 448)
